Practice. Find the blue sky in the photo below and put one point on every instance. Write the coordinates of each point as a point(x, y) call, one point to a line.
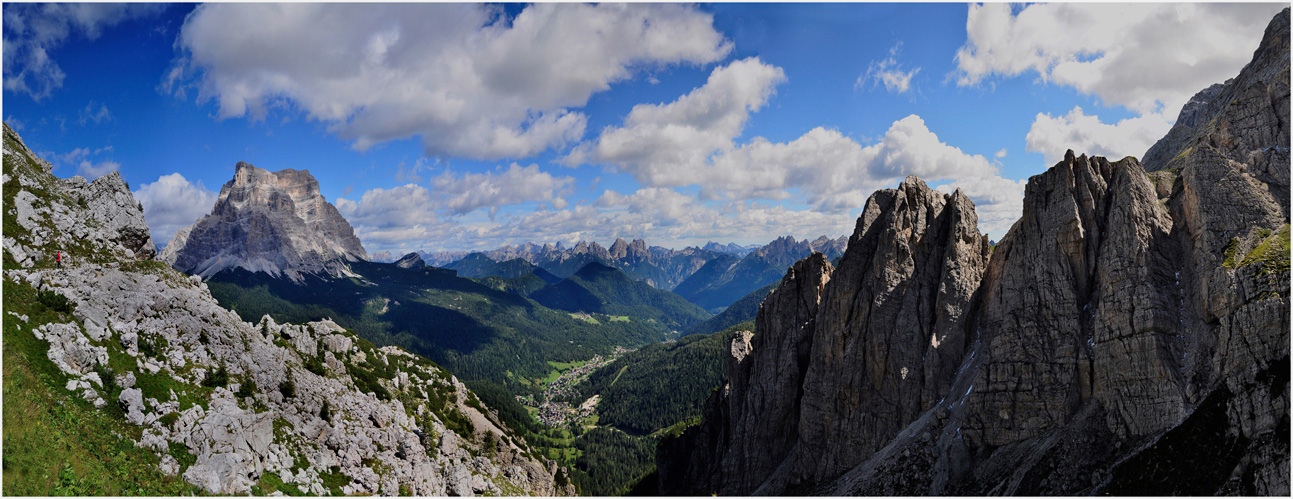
point(457, 127)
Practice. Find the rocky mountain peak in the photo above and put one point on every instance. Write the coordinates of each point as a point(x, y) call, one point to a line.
point(273, 222)
point(636, 251)
point(410, 261)
point(619, 249)
point(814, 356)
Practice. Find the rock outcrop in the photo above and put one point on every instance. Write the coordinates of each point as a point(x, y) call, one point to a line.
point(108, 201)
point(1129, 335)
point(229, 405)
point(273, 222)
point(410, 261)
point(79, 219)
point(847, 356)
point(1245, 120)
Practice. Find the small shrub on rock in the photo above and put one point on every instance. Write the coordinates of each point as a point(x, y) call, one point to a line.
point(54, 301)
point(217, 378)
point(247, 389)
point(287, 388)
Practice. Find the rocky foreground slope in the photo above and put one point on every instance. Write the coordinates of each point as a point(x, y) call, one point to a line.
point(226, 404)
point(272, 222)
point(1129, 335)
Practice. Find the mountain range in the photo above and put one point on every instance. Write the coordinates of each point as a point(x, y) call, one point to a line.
point(703, 275)
point(1129, 335)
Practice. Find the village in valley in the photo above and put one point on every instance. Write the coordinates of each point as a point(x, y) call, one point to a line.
point(554, 412)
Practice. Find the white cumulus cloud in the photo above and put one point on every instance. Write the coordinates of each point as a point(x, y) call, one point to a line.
point(403, 206)
point(660, 144)
point(464, 78)
point(464, 193)
point(1086, 134)
point(1145, 57)
point(692, 141)
point(172, 203)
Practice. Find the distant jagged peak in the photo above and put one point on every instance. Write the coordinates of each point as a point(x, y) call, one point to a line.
point(273, 222)
point(410, 261)
point(620, 248)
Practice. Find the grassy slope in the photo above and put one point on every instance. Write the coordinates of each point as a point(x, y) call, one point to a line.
point(55, 443)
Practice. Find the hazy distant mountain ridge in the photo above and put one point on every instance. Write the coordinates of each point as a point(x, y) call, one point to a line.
point(272, 222)
point(713, 290)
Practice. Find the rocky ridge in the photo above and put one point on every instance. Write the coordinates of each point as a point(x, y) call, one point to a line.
point(661, 267)
point(273, 222)
point(1244, 120)
point(227, 404)
point(1129, 335)
point(410, 261)
point(97, 220)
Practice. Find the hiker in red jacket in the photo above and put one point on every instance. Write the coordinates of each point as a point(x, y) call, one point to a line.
point(58, 259)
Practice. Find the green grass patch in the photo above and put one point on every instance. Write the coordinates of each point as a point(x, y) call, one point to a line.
point(618, 374)
point(334, 480)
point(1229, 253)
point(54, 301)
point(169, 419)
point(181, 453)
point(1272, 254)
point(55, 442)
point(269, 482)
point(618, 318)
point(585, 317)
point(160, 386)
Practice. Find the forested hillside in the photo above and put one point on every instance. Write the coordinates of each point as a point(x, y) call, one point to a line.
point(597, 288)
point(662, 383)
point(473, 330)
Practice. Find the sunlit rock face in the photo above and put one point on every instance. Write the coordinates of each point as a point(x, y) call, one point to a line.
point(273, 222)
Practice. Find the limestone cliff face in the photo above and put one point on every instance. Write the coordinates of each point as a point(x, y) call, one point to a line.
point(273, 222)
point(1129, 335)
point(1246, 119)
point(846, 356)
